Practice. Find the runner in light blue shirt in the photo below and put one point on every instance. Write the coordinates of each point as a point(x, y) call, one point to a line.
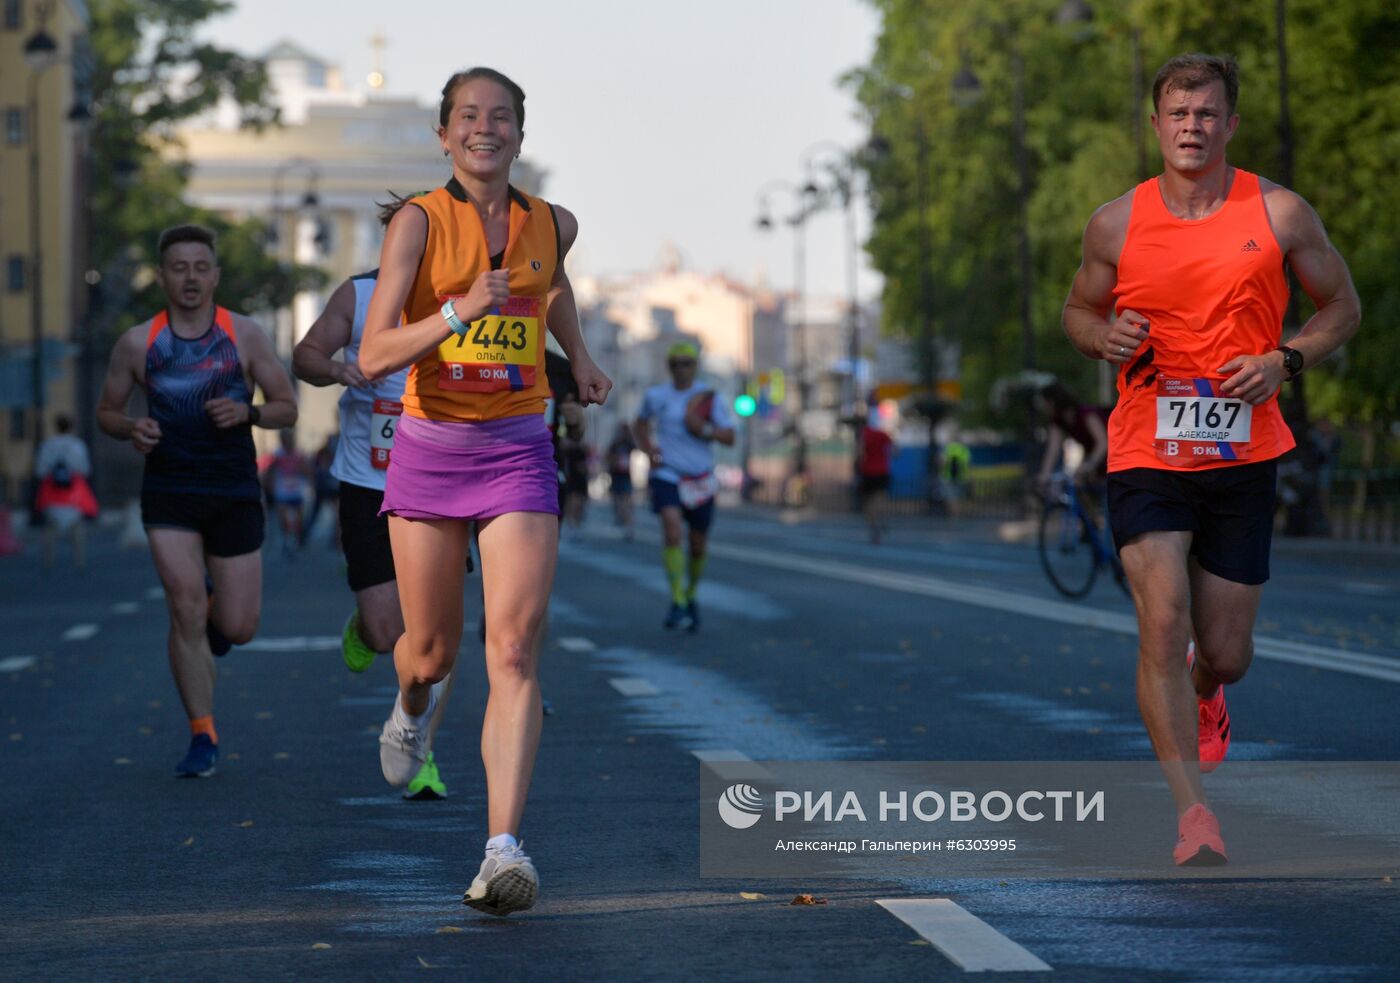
point(676, 426)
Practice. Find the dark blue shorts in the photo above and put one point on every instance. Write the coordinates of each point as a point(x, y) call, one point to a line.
point(666, 494)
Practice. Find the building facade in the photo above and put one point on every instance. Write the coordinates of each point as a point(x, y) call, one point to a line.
point(43, 50)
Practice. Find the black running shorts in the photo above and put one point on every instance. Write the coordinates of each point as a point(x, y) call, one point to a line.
point(1229, 511)
point(229, 526)
point(364, 536)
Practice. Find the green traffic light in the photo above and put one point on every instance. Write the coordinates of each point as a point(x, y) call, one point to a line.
point(745, 405)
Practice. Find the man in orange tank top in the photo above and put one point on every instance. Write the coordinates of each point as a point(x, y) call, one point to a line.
point(1183, 288)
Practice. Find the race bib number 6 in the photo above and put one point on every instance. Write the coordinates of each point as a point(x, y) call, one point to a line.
point(382, 424)
point(497, 353)
point(1197, 425)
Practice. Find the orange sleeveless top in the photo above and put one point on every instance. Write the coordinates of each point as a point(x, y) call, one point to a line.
point(1211, 290)
point(495, 369)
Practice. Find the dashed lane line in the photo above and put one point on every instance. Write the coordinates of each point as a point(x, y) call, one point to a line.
point(16, 663)
point(634, 686)
point(969, 942)
point(1278, 649)
point(572, 643)
point(80, 633)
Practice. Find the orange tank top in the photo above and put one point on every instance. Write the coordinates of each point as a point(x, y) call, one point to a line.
point(1211, 289)
point(495, 369)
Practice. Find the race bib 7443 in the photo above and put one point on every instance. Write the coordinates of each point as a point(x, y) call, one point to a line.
point(496, 353)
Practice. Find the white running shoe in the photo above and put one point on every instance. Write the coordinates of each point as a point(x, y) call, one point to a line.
point(506, 882)
point(402, 749)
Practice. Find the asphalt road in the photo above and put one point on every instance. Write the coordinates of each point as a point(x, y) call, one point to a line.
point(297, 861)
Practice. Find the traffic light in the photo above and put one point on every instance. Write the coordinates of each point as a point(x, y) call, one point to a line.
point(745, 405)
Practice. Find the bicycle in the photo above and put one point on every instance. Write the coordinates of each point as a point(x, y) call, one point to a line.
point(1073, 547)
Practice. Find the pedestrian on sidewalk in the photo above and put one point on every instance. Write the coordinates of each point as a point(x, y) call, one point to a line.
point(65, 498)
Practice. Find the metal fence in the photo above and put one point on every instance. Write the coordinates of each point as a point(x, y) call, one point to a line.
point(1360, 505)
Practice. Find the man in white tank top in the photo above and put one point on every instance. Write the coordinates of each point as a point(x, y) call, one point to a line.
point(369, 412)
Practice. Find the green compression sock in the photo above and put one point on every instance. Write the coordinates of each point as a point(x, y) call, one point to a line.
point(674, 560)
point(697, 568)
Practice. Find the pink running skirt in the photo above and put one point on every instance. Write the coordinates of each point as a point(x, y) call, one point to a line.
point(442, 470)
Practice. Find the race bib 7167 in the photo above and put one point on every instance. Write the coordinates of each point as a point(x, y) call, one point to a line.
point(1198, 425)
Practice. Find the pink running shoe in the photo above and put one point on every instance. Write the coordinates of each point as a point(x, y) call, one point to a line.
point(1198, 842)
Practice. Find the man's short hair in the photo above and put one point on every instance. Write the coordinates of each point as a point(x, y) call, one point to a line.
point(1195, 71)
point(187, 233)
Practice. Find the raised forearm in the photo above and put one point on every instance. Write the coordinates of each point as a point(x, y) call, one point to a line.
point(385, 351)
point(314, 366)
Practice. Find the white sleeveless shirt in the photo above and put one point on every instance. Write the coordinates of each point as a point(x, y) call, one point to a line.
point(354, 452)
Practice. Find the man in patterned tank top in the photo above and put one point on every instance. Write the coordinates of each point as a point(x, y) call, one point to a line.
point(197, 364)
point(1183, 288)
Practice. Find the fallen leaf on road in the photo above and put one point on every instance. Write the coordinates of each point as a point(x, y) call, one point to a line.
point(154, 704)
point(425, 964)
point(189, 842)
point(16, 736)
point(245, 824)
point(263, 715)
point(233, 756)
point(145, 731)
point(752, 895)
point(281, 756)
point(605, 778)
point(320, 945)
point(449, 929)
point(919, 942)
point(807, 899)
point(121, 761)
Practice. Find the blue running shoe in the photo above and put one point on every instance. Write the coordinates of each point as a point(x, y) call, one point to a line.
point(199, 762)
point(674, 617)
point(218, 644)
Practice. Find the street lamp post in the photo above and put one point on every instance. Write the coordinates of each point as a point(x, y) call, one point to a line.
point(286, 329)
point(839, 166)
point(803, 208)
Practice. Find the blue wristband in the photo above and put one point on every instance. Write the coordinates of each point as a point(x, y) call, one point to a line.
point(449, 314)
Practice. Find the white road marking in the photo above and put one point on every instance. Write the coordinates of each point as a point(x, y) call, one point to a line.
point(712, 754)
point(79, 633)
point(125, 607)
point(155, 593)
point(971, 944)
point(1278, 649)
point(17, 663)
point(295, 643)
point(1368, 589)
point(634, 686)
point(572, 643)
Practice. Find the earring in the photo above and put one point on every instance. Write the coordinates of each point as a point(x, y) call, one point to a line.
point(517, 155)
point(446, 153)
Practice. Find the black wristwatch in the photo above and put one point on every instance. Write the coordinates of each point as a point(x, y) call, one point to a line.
point(254, 415)
point(1292, 361)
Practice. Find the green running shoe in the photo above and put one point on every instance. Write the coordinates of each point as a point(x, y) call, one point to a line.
point(357, 655)
point(427, 784)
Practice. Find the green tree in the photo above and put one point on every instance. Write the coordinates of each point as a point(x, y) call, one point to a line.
point(1079, 113)
point(148, 74)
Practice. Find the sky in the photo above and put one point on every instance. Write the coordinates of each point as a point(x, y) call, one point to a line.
point(658, 121)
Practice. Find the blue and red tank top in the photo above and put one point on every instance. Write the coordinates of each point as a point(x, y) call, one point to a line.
point(182, 374)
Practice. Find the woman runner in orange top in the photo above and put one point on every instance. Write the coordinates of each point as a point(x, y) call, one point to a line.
point(474, 268)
